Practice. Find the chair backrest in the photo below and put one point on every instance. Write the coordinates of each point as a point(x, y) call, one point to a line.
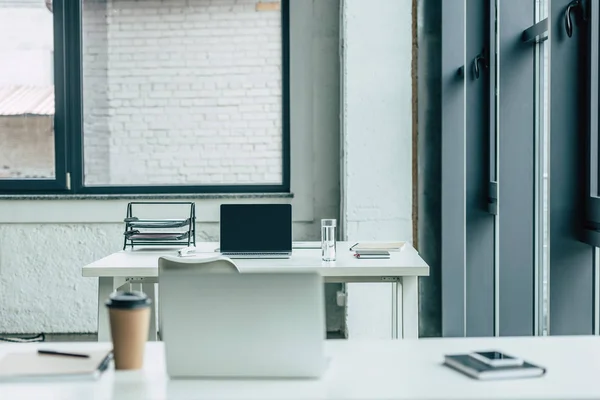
point(216, 322)
point(191, 266)
point(199, 265)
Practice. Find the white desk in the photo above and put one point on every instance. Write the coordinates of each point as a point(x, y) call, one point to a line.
point(402, 269)
point(376, 370)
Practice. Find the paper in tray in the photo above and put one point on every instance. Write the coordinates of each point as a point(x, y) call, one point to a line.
point(156, 235)
point(159, 224)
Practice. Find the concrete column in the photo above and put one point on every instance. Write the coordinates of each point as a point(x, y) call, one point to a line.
point(376, 143)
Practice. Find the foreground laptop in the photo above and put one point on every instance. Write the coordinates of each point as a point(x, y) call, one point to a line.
point(256, 230)
point(258, 325)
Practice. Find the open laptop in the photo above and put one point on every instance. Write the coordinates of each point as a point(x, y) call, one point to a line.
point(256, 230)
point(232, 325)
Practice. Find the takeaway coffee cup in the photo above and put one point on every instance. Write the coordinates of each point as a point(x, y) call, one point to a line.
point(129, 315)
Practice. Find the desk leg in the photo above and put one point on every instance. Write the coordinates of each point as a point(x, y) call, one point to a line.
point(105, 288)
point(396, 310)
point(149, 289)
point(410, 307)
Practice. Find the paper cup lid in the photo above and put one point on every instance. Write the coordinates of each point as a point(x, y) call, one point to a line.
point(128, 300)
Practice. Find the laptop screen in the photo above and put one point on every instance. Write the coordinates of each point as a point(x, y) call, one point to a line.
point(256, 227)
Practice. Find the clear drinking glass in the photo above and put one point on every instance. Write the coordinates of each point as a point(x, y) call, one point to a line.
point(328, 239)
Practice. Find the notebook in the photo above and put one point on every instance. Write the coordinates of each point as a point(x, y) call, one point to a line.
point(29, 365)
point(381, 254)
point(389, 246)
point(479, 370)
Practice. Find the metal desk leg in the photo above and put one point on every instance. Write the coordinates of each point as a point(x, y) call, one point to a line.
point(105, 288)
point(396, 310)
point(149, 289)
point(106, 285)
point(410, 307)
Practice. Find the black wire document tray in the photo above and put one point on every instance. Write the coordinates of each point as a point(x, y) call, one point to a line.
point(160, 231)
point(158, 223)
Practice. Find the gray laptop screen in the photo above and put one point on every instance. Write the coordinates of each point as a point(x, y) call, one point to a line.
point(256, 228)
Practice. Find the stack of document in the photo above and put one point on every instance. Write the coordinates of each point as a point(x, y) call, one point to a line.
point(375, 250)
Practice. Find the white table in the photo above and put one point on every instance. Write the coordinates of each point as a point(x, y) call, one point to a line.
point(402, 269)
point(376, 370)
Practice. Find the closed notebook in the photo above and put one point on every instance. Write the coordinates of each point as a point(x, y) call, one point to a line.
point(31, 366)
point(480, 370)
point(388, 246)
point(372, 254)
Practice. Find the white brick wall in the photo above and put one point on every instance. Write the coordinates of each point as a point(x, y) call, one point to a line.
point(182, 91)
point(22, 3)
point(96, 105)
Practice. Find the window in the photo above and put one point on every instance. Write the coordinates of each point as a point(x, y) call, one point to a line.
point(528, 267)
point(172, 96)
point(30, 147)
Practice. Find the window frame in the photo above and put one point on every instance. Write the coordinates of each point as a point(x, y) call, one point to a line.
point(591, 234)
point(59, 182)
point(68, 121)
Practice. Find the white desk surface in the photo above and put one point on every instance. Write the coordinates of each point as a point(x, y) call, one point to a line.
point(144, 263)
point(374, 370)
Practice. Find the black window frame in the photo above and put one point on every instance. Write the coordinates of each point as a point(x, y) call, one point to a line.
point(59, 183)
point(592, 196)
point(68, 121)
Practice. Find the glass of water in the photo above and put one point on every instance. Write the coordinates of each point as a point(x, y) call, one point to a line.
point(328, 239)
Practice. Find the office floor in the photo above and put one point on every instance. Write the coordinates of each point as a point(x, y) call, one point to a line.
point(91, 337)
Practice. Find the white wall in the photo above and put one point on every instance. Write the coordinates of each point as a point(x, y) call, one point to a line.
point(44, 243)
point(20, 3)
point(376, 143)
point(95, 91)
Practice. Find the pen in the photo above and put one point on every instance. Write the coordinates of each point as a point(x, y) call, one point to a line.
point(59, 353)
point(104, 364)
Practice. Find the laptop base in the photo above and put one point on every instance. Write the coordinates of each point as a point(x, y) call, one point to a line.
point(257, 255)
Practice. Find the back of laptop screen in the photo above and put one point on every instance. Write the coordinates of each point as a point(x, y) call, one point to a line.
point(256, 227)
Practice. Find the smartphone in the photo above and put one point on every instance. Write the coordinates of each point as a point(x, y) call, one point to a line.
point(496, 359)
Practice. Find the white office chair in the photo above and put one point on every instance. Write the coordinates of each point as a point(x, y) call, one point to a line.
point(194, 265)
point(218, 322)
point(200, 265)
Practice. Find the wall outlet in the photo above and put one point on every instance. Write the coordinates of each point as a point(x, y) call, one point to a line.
point(341, 298)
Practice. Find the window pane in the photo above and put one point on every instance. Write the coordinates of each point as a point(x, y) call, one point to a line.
point(182, 92)
point(26, 90)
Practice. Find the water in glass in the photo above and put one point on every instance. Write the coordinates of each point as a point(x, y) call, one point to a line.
point(328, 239)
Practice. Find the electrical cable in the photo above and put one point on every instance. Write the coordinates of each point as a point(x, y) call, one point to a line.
point(31, 339)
